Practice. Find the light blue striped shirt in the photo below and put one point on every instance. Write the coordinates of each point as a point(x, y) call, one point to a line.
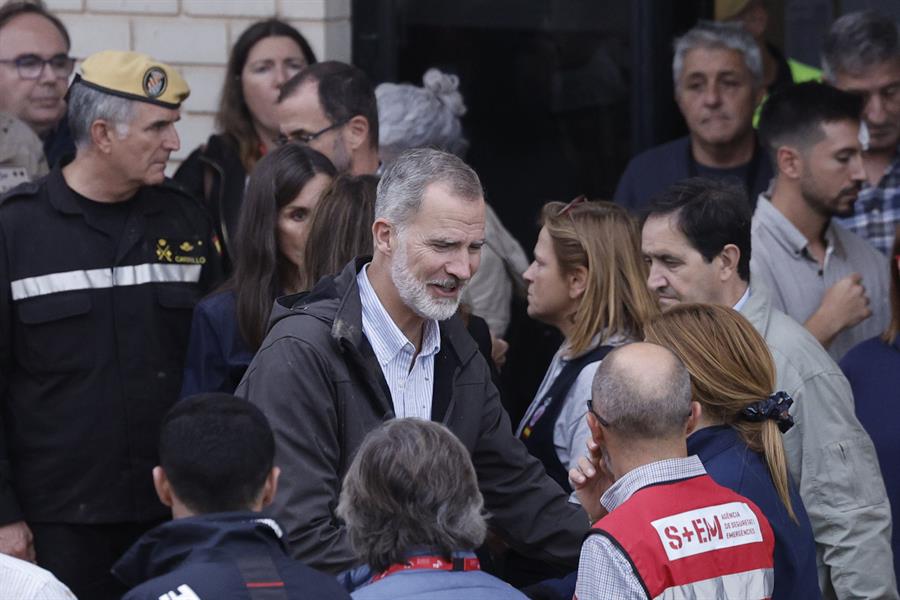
point(409, 377)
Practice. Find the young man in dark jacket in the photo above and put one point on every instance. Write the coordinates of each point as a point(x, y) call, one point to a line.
point(382, 340)
point(216, 473)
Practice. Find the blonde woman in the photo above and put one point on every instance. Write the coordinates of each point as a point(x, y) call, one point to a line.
point(588, 281)
point(738, 437)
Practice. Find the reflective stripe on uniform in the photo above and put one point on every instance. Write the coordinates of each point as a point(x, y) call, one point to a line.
point(94, 279)
point(734, 585)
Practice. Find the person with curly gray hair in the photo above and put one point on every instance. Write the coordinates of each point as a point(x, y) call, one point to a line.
point(409, 117)
point(414, 515)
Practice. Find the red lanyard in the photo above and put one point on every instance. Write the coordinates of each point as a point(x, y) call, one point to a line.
point(435, 563)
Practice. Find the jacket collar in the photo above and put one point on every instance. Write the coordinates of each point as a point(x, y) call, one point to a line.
point(62, 199)
point(711, 441)
point(166, 547)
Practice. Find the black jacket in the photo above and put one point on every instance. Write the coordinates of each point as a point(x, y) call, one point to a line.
point(225, 556)
point(93, 334)
point(318, 381)
point(215, 174)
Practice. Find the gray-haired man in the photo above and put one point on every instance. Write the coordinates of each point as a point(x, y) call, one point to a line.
point(101, 263)
point(382, 340)
point(862, 56)
point(718, 83)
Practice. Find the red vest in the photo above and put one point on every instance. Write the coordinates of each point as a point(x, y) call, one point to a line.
point(694, 539)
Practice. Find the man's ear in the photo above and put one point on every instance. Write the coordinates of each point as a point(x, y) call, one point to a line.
point(382, 236)
point(357, 132)
point(595, 427)
point(693, 420)
point(729, 258)
point(102, 133)
point(270, 487)
point(162, 486)
point(789, 162)
point(577, 280)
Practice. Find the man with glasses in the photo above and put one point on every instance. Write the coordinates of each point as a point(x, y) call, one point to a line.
point(862, 56)
point(331, 107)
point(34, 73)
point(663, 526)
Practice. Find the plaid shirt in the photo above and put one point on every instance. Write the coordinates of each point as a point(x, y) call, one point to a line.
point(603, 570)
point(876, 213)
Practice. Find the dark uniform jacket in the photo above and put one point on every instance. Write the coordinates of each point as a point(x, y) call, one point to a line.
point(215, 174)
point(224, 556)
point(317, 380)
point(92, 340)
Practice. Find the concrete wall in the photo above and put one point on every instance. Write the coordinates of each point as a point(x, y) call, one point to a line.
point(196, 35)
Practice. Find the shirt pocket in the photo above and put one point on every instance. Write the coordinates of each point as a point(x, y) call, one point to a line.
point(853, 475)
point(175, 309)
point(56, 332)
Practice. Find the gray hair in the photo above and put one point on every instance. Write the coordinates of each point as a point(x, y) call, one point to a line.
point(402, 187)
point(411, 485)
point(415, 117)
point(858, 41)
point(718, 35)
point(86, 105)
point(640, 402)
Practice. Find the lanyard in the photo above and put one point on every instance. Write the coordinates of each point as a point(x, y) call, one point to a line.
point(434, 563)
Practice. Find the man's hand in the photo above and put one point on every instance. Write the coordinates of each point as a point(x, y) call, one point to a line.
point(590, 479)
point(844, 305)
point(16, 540)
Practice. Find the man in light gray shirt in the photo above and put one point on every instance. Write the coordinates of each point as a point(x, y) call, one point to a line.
point(822, 275)
point(696, 242)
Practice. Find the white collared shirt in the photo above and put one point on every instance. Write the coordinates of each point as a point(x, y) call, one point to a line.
point(409, 377)
point(743, 300)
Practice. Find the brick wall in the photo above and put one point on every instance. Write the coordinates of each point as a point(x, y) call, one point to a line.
point(196, 36)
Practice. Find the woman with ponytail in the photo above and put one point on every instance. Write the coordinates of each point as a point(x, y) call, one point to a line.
point(738, 437)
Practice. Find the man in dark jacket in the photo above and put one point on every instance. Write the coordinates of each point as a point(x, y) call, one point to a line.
point(382, 339)
point(718, 83)
point(216, 473)
point(101, 263)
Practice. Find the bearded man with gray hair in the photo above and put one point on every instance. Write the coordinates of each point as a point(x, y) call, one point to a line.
point(381, 340)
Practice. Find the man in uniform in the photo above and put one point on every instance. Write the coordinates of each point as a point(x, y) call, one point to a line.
point(101, 263)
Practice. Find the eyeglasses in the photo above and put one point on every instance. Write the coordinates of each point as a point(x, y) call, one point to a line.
point(31, 66)
point(591, 410)
point(305, 138)
point(578, 200)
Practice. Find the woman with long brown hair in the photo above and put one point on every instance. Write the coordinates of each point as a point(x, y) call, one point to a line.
point(267, 54)
point(739, 435)
point(588, 281)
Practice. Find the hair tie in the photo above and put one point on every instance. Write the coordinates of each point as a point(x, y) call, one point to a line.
point(774, 407)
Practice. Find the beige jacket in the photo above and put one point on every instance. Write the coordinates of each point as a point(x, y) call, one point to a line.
point(831, 458)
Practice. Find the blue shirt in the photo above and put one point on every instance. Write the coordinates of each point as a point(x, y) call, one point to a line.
point(409, 376)
point(873, 369)
point(732, 464)
point(217, 354)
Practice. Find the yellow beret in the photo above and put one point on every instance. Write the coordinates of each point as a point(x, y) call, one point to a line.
point(135, 76)
point(728, 9)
